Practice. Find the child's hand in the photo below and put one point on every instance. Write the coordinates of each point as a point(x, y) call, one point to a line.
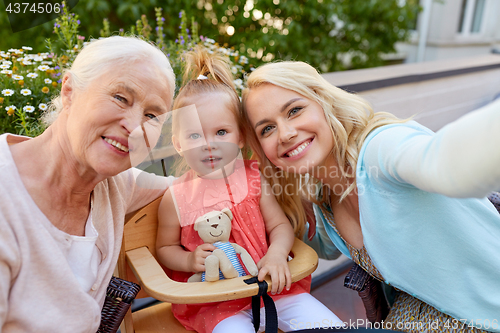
point(276, 266)
point(196, 259)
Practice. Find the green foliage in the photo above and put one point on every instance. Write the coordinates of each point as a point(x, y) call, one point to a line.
point(27, 83)
point(331, 35)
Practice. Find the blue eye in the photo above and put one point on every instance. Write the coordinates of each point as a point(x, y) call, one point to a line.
point(265, 130)
point(120, 98)
point(221, 132)
point(294, 111)
point(152, 116)
point(194, 136)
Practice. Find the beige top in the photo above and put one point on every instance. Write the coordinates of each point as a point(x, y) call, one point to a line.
point(38, 290)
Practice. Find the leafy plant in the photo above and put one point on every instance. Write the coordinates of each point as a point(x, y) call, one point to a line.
point(27, 83)
point(187, 39)
point(330, 35)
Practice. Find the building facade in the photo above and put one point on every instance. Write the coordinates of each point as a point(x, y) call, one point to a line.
point(449, 29)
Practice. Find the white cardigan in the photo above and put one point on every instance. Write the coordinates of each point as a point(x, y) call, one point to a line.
point(38, 290)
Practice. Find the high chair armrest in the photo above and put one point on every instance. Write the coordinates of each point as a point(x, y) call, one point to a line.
point(157, 284)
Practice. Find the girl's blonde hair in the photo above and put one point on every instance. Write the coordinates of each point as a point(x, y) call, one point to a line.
point(216, 77)
point(350, 117)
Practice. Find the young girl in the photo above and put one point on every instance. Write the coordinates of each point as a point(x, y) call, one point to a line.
point(207, 133)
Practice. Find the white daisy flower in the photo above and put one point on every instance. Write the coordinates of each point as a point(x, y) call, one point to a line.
point(42, 106)
point(17, 77)
point(6, 71)
point(45, 62)
point(47, 81)
point(29, 108)
point(43, 68)
point(7, 92)
point(25, 92)
point(6, 62)
point(4, 66)
point(37, 58)
point(27, 62)
point(32, 75)
point(13, 50)
point(27, 48)
point(238, 82)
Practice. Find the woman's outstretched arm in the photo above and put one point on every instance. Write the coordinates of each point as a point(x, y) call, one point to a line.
point(460, 160)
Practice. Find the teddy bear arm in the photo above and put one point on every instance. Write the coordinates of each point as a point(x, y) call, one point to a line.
point(246, 259)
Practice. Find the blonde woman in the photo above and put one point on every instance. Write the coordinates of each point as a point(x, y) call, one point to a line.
point(389, 193)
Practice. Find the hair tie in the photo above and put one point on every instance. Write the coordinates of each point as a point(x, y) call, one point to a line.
point(201, 77)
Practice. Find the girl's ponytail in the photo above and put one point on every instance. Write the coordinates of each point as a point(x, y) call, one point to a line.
point(200, 63)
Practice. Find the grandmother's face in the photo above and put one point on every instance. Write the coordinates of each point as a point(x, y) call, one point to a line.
point(117, 117)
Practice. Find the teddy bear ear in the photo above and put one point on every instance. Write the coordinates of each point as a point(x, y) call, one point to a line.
point(228, 212)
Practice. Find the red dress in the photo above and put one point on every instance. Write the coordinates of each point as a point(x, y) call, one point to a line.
point(240, 192)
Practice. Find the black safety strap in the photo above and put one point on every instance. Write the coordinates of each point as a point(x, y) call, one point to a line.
point(270, 308)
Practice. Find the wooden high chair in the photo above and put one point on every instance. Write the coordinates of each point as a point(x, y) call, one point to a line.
point(138, 256)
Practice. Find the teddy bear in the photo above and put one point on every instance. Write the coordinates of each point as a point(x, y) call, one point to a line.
point(215, 228)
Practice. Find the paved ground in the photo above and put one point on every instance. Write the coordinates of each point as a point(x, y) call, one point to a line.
point(344, 302)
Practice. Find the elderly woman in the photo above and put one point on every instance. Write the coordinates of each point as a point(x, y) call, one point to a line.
point(394, 196)
point(65, 193)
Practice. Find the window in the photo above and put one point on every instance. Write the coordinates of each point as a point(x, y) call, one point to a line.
point(471, 16)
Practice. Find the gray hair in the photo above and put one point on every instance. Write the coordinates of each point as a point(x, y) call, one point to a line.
point(100, 55)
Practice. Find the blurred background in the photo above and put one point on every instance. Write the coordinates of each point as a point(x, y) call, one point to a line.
point(330, 35)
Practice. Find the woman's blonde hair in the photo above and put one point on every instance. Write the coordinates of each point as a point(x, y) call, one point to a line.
point(350, 117)
point(216, 76)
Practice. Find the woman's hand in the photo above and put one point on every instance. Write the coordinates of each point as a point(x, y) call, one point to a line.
point(275, 264)
point(196, 259)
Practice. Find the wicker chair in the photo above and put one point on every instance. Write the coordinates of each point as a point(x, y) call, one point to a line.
point(119, 297)
point(137, 263)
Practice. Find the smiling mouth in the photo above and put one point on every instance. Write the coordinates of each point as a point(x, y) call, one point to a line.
point(211, 159)
point(297, 150)
point(221, 232)
point(115, 144)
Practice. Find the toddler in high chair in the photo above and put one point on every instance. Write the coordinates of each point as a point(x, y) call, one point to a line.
point(207, 133)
